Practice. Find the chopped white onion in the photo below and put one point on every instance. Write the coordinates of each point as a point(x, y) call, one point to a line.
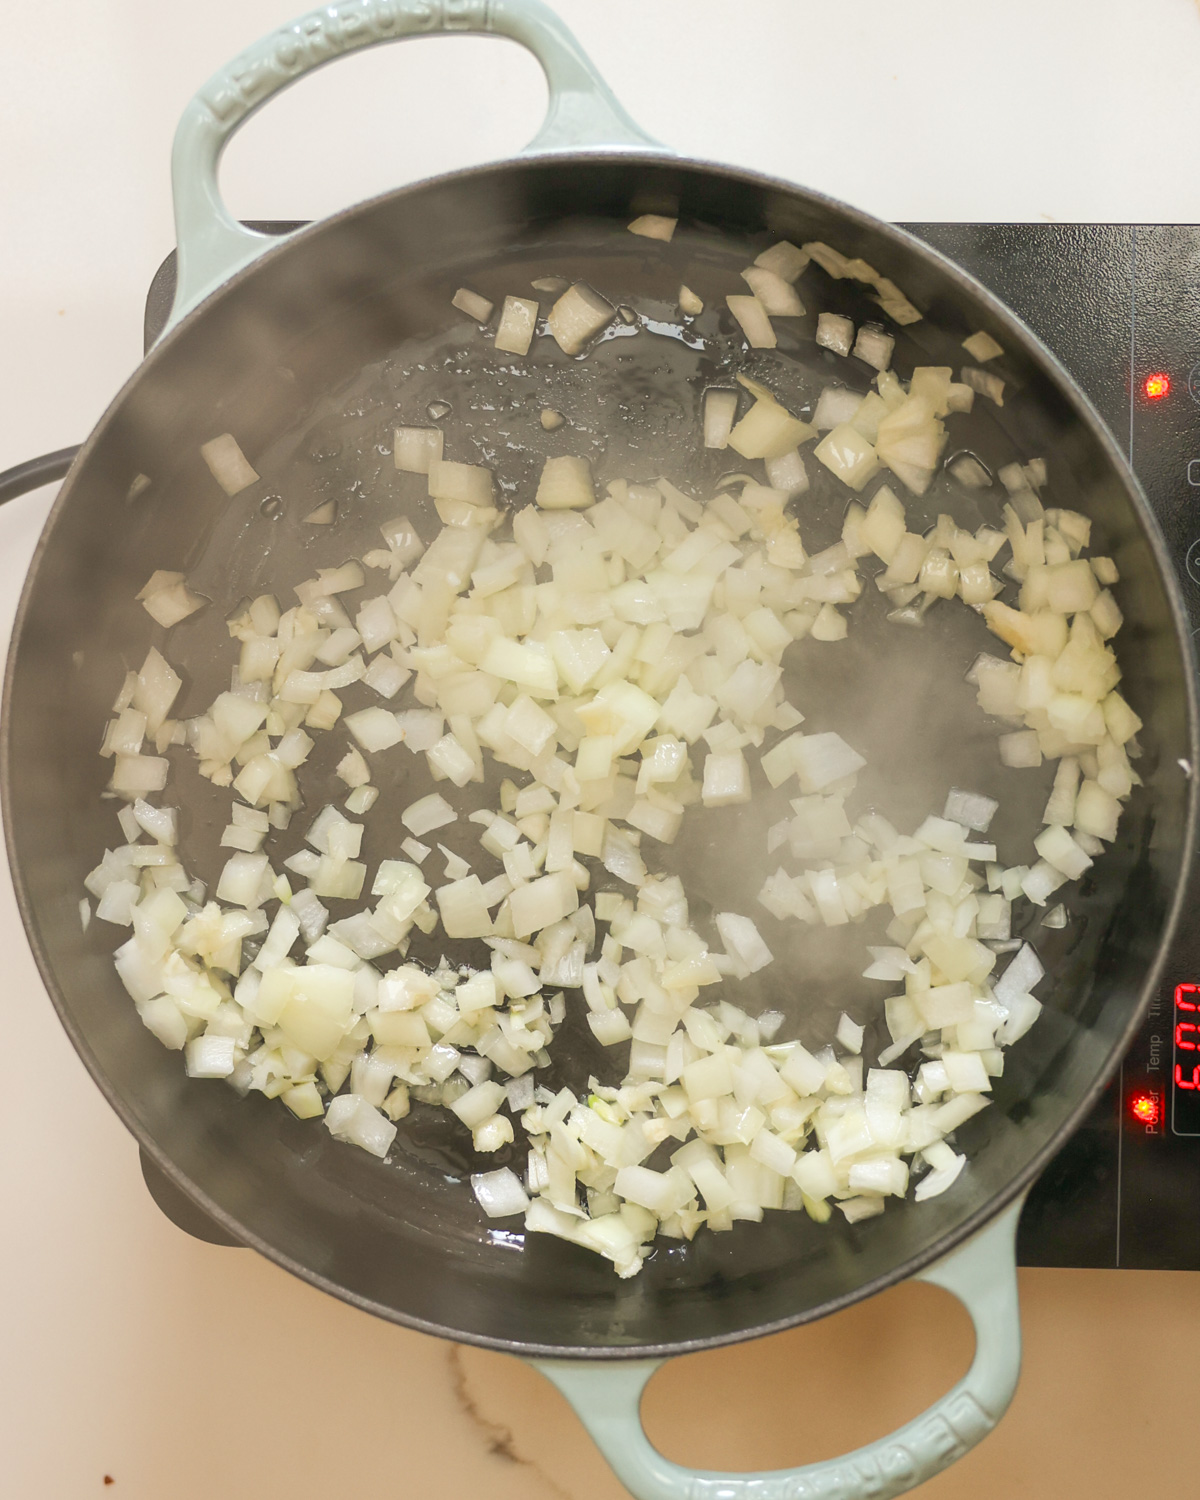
point(970, 809)
point(578, 315)
point(874, 347)
point(835, 332)
point(752, 318)
point(777, 296)
point(472, 304)
point(981, 347)
point(415, 448)
point(228, 464)
point(518, 323)
point(720, 408)
point(985, 383)
point(653, 226)
point(427, 813)
point(499, 1194)
point(351, 1118)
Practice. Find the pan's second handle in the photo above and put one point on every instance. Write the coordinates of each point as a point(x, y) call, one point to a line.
point(212, 244)
point(982, 1274)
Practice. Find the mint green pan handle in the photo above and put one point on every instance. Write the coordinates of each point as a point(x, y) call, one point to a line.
point(212, 244)
point(982, 1274)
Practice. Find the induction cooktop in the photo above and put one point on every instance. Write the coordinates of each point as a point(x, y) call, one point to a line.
point(1119, 304)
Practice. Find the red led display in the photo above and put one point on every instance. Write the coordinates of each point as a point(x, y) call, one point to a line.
point(1157, 385)
point(1185, 1033)
point(1186, 1070)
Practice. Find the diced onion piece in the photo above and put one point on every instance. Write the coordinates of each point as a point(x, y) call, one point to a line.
point(499, 1194)
point(1058, 848)
point(720, 408)
point(578, 315)
point(895, 303)
point(1021, 748)
point(427, 813)
point(835, 332)
point(529, 665)
point(971, 809)
point(415, 448)
point(936, 1182)
point(134, 775)
point(304, 1100)
point(768, 430)
point(787, 473)
point(1022, 974)
point(830, 260)
point(375, 729)
point(743, 942)
point(829, 625)
point(386, 676)
point(542, 902)
point(752, 318)
point(910, 442)
point(874, 347)
point(822, 759)
point(210, 1056)
point(784, 258)
point(610, 1027)
point(518, 323)
point(478, 1104)
point(982, 347)
point(472, 304)
point(968, 470)
point(653, 226)
point(566, 484)
point(985, 383)
point(167, 599)
point(835, 405)
point(884, 1176)
point(470, 483)
point(777, 296)
point(855, 1209)
point(351, 1118)
point(847, 454)
point(227, 463)
point(419, 729)
point(452, 761)
point(1096, 811)
point(726, 780)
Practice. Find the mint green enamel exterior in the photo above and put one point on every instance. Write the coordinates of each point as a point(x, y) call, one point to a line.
point(982, 1274)
point(212, 245)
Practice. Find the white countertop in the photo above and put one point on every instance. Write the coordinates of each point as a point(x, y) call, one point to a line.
point(184, 1371)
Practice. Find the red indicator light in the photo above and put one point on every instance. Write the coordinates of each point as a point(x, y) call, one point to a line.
point(1157, 386)
point(1144, 1107)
